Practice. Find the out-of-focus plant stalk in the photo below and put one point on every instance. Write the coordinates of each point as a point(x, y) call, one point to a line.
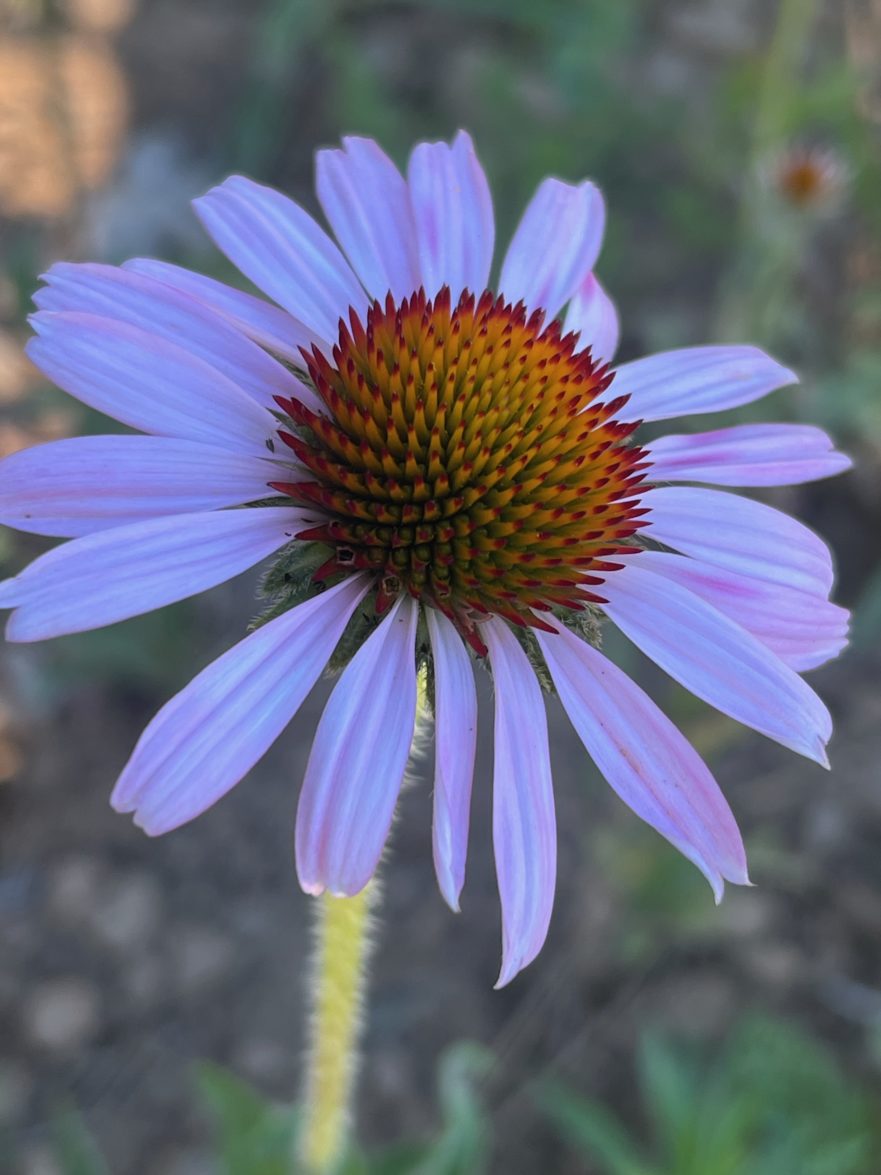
point(756, 302)
point(792, 36)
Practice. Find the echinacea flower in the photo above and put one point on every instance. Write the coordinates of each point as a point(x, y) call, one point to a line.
point(444, 471)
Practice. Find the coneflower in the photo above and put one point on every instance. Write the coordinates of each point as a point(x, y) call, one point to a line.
point(446, 473)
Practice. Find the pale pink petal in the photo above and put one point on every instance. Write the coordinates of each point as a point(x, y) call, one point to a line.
point(366, 202)
point(698, 379)
point(266, 324)
point(455, 736)
point(205, 739)
point(592, 315)
point(73, 487)
point(555, 245)
point(645, 758)
point(453, 215)
point(747, 455)
point(804, 630)
point(109, 576)
point(358, 759)
point(524, 828)
point(716, 659)
point(120, 294)
point(146, 382)
point(740, 535)
point(283, 251)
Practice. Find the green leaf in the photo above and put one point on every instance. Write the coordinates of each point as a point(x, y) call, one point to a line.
point(401, 1160)
point(867, 614)
point(462, 1145)
point(76, 1150)
point(256, 1136)
point(594, 1130)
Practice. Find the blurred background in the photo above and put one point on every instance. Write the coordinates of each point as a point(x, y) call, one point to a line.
point(737, 144)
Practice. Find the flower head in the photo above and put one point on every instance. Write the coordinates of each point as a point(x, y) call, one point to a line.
point(445, 473)
point(808, 179)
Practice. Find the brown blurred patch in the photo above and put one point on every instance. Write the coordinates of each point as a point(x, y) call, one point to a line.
point(19, 379)
point(17, 373)
point(863, 28)
point(808, 178)
point(63, 110)
point(100, 16)
point(17, 15)
point(14, 438)
point(12, 757)
point(49, 426)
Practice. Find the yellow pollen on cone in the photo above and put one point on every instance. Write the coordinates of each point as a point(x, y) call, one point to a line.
point(468, 454)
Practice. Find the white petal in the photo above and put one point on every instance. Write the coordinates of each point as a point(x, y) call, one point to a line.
point(698, 379)
point(740, 535)
point(283, 251)
point(73, 487)
point(747, 455)
point(555, 245)
point(455, 736)
point(146, 382)
point(125, 296)
point(266, 324)
point(716, 659)
point(645, 758)
point(211, 734)
point(804, 630)
point(109, 576)
point(358, 759)
point(592, 315)
point(366, 202)
point(453, 215)
point(524, 828)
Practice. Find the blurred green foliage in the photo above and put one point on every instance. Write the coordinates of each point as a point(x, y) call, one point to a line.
point(772, 1102)
point(75, 1148)
point(258, 1138)
point(255, 1136)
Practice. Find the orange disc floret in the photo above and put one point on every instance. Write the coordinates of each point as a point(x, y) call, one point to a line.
point(466, 456)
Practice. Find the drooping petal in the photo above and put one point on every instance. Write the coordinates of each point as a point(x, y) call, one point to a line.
point(120, 294)
point(266, 324)
point(146, 382)
point(645, 758)
point(804, 630)
point(741, 535)
point(524, 829)
point(453, 216)
point(358, 758)
point(73, 487)
point(698, 379)
point(593, 316)
point(366, 202)
point(109, 576)
point(748, 455)
point(716, 659)
point(283, 251)
point(211, 734)
point(455, 736)
point(555, 245)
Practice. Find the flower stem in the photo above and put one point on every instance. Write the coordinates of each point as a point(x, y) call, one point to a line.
point(342, 949)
